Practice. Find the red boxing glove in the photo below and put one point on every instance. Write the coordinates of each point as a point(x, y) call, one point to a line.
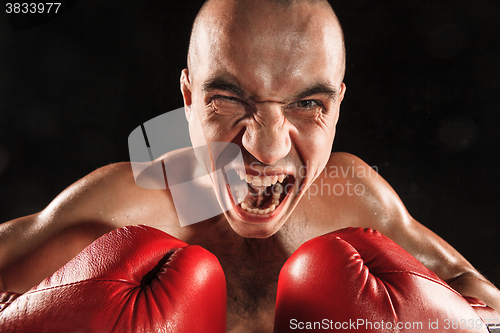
point(357, 279)
point(134, 279)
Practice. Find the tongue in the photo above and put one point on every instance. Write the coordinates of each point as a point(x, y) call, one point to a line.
point(258, 195)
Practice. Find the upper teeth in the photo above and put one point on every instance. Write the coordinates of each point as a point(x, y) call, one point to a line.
point(261, 181)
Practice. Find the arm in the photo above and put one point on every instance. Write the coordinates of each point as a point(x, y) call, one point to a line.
point(440, 257)
point(394, 221)
point(445, 261)
point(35, 246)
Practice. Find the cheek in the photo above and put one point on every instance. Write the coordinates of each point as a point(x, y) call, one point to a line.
point(196, 133)
point(314, 144)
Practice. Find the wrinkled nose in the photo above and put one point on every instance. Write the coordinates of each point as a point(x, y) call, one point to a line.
point(267, 136)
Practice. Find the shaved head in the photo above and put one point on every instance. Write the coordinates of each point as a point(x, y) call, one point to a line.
point(262, 24)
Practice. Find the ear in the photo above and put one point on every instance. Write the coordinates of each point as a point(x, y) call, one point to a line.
point(342, 92)
point(186, 91)
point(340, 99)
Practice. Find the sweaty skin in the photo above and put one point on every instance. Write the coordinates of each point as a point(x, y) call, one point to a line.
point(267, 77)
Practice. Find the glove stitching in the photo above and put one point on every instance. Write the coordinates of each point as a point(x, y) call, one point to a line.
point(442, 283)
point(79, 282)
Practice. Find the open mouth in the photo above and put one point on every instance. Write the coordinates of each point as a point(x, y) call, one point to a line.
point(259, 195)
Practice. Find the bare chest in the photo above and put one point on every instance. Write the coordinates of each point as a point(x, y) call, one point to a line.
point(251, 294)
point(252, 269)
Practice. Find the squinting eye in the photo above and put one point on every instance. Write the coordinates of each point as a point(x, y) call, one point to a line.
point(307, 104)
point(227, 105)
point(227, 98)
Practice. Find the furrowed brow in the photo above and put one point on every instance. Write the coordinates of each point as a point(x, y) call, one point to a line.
point(219, 83)
point(318, 89)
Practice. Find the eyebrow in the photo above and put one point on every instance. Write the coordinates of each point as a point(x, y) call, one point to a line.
point(220, 83)
point(318, 89)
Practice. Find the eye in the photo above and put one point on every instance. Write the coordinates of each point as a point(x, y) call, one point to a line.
point(306, 104)
point(226, 105)
point(226, 98)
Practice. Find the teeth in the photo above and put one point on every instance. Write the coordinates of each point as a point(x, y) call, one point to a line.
point(260, 181)
point(278, 188)
point(257, 181)
point(267, 181)
point(250, 209)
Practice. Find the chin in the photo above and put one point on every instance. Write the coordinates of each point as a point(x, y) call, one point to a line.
point(254, 229)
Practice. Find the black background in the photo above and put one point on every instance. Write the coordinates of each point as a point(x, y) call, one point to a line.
point(422, 103)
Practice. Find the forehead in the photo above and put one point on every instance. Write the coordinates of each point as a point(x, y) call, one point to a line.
point(272, 52)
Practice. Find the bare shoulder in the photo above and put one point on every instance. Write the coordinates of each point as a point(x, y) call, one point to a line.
point(33, 247)
point(360, 195)
point(110, 196)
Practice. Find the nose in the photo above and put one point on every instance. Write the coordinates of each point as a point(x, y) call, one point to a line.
point(267, 136)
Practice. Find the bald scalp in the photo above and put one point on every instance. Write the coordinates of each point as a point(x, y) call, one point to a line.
point(214, 11)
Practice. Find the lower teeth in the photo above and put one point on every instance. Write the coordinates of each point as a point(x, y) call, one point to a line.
point(274, 203)
point(259, 211)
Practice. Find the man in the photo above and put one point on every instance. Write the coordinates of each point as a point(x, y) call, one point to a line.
point(268, 77)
